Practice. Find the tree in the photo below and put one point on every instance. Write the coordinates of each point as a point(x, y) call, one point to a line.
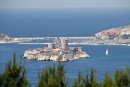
point(52, 77)
point(108, 81)
point(122, 78)
point(14, 74)
point(1, 80)
point(88, 81)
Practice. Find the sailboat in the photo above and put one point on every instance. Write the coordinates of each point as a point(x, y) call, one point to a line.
point(106, 52)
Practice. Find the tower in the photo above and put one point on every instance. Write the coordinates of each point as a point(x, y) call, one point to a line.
point(64, 44)
point(51, 46)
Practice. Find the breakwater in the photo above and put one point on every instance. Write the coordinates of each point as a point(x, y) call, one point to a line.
point(93, 40)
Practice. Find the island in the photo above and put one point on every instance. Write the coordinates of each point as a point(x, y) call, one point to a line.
point(57, 51)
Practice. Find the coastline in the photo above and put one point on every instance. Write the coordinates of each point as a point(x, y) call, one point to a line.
point(71, 40)
point(113, 36)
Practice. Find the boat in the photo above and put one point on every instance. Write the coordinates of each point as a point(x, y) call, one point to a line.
point(106, 52)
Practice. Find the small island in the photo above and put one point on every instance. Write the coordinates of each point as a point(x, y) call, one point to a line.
point(58, 51)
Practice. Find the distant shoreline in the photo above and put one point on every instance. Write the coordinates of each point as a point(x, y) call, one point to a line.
point(113, 36)
point(72, 40)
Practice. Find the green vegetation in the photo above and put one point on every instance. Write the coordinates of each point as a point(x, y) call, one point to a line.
point(52, 77)
point(88, 81)
point(15, 76)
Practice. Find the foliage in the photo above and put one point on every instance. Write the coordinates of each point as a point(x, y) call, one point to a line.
point(122, 78)
point(14, 75)
point(88, 81)
point(1, 80)
point(108, 81)
point(52, 77)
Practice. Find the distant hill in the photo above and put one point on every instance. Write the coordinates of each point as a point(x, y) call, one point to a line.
point(119, 32)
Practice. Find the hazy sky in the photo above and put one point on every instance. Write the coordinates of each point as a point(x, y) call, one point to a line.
point(63, 3)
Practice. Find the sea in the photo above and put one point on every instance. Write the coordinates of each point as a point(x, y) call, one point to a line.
point(61, 23)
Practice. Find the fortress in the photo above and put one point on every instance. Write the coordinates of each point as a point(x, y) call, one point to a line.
point(58, 51)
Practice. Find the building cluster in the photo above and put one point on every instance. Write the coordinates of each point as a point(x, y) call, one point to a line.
point(58, 51)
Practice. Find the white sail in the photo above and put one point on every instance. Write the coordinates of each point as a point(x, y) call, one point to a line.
point(106, 52)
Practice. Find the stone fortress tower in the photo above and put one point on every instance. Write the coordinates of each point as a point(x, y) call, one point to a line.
point(64, 44)
point(61, 44)
point(51, 46)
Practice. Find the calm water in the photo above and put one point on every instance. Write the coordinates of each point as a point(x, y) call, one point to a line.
point(72, 22)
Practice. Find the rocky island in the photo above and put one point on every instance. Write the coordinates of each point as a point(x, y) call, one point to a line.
point(58, 51)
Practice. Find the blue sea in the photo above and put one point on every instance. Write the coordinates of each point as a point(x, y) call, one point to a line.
point(65, 22)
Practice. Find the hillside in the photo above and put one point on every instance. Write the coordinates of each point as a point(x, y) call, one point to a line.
point(120, 32)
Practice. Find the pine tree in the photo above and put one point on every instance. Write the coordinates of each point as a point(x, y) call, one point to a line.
point(88, 81)
point(108, 81)
point(52, 77)
point(14, 75)
point(122, 78)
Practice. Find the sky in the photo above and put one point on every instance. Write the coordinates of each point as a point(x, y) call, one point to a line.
point(64, 3)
